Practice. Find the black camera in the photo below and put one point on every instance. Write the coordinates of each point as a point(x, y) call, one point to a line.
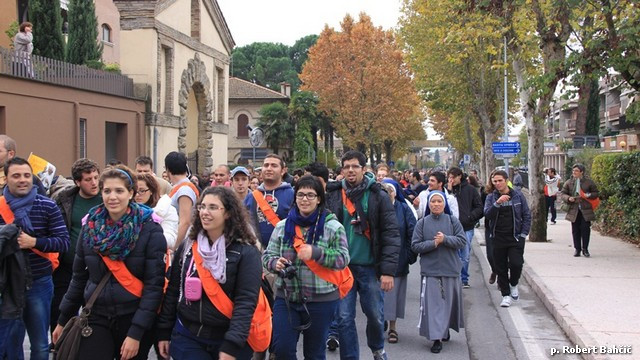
point(289, 271)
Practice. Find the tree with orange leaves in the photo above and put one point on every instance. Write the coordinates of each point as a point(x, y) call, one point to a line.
point(360, 77)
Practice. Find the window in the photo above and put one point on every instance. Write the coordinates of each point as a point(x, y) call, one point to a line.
point(106, 33)
point(243, 121)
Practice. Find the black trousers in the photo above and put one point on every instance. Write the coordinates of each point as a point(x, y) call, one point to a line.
point(508, 259)
point(489, 246)
point(107, 338)
point(61, 281)
point(581, 231)
point(551, 205)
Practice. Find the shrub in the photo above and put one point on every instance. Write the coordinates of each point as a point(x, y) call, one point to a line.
point(619, 186)
point(112, 67)
point(11, 31)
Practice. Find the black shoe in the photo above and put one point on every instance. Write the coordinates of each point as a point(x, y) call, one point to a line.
point(437, 347)
point(585, 252)
point(576, 253)
point(332, 343)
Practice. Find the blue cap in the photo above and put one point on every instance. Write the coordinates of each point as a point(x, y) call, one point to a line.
point(240, 169)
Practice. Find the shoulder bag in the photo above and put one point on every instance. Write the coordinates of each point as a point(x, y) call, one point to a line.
point(77, 327)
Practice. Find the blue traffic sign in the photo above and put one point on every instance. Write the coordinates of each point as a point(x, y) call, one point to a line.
point(506, 147)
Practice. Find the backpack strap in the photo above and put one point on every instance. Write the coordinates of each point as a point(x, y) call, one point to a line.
point(266, 209)
point(260, 330)
point(351, 209)
point(119, 270)
point(343, 279)
point(212, 288)
point(186, 183)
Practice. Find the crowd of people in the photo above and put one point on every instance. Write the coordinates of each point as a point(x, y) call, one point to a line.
point(183, 262)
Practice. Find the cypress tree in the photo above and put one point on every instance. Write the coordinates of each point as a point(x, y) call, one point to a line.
point(47, 28)
point(593, 110)
point(83, 33)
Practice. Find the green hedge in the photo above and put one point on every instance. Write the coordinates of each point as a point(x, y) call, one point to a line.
point(617, 178)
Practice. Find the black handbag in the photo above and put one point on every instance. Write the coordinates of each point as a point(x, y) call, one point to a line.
point(77, 327)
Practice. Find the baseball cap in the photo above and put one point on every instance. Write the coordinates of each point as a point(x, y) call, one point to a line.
point(239, 169)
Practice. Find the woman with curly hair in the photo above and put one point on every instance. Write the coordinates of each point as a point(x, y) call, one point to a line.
point(119, 240)
point(222, 244)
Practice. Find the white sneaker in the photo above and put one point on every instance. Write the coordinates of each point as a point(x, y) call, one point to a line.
point(506, 301)
point(514, 292)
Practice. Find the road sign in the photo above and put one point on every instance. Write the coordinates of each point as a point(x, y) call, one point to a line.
point(256, 137)
point(506, 147)
point(467, 159)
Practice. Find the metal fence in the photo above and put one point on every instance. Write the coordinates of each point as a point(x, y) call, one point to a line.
point(38, 68)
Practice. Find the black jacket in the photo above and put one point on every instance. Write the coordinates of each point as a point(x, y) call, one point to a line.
point(469, 204)
point(381, 216)
point(202, 318)
point(145, 262)
point(65, 203)
point(15, 274)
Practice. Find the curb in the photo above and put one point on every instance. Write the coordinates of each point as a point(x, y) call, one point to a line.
point(571, 327)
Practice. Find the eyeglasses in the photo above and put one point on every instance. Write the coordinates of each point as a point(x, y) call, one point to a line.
point(210, 208)
point(143, 191)
point(352, 167)
point(310, 196)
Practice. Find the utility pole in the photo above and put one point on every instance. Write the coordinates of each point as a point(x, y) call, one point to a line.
point(506, 108)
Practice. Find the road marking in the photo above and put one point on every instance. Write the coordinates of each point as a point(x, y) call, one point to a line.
point(527, 335)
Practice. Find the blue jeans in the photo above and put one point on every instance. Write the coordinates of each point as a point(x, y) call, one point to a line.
point(465, 255)
point(186, 346)
point(285, 336)
point(35, 319)
point(366, 284)
point(10, 346)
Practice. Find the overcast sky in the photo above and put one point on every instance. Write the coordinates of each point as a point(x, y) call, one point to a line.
point(286, 21)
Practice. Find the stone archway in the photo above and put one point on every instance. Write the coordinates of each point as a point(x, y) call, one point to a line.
point(194, 77)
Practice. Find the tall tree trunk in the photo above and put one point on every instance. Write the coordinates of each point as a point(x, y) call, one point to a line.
point(388, 150)
point(584, 91)
point(553, 53)
point(331, 145)
point(314, 134)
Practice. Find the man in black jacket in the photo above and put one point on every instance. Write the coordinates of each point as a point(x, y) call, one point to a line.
point(470, 209)
point(74, 203)
point(369, 219)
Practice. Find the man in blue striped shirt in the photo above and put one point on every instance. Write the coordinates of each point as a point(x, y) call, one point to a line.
point(42, 232)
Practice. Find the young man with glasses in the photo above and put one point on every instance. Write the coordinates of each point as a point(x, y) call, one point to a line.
point(369, 218)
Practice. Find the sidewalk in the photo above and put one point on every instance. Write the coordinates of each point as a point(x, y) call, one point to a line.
point(594, 300)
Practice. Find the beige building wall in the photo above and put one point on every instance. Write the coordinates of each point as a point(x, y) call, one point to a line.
point(8, 14)
point(139, 48)
point(208, 33)
point(107, 14)
point(177, 16)
point(170, 53)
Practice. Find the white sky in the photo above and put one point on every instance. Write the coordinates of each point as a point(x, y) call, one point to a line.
point(286, 21)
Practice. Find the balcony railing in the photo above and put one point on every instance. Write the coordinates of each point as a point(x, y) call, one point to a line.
point(38, 68)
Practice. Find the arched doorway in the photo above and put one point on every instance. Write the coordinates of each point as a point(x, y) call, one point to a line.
point(196, 106)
